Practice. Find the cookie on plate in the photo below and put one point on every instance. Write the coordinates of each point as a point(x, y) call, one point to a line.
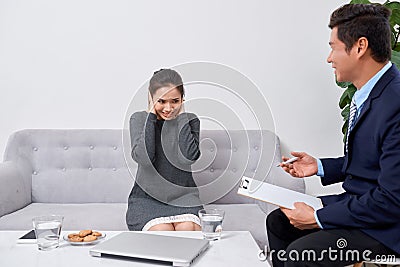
point(84, 233)
point(89, 238)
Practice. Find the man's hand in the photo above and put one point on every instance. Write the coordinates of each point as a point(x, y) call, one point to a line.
point(303, 167)
point(302, 216)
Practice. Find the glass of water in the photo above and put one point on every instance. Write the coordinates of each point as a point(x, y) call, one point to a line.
point(47, 231)
point(211, 223)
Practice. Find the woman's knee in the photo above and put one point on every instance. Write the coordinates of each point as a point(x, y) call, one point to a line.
point(187, 226)
point(162, 227)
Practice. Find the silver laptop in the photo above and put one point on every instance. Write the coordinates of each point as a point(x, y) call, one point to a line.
point(179, 251)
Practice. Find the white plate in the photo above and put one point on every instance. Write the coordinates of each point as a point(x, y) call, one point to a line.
point(99, 238)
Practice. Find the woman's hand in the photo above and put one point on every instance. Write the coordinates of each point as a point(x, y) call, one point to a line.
point(305, 166)
point(150, 107)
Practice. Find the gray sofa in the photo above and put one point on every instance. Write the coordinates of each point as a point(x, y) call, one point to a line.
point(83, 175)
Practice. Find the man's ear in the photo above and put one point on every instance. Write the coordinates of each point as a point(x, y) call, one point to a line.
point(362, 46)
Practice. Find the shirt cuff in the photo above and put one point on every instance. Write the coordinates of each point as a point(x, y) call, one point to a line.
point(316, 218)
point(320, 171)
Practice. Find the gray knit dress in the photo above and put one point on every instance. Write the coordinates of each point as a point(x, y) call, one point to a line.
point(164, 151)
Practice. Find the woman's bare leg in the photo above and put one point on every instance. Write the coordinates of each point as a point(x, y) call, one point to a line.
point(186, 226)
point(162, 227)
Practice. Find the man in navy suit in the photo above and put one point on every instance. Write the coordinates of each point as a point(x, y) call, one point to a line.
point(363, 223)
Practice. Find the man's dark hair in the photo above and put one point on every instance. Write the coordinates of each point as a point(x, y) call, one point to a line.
point(371, 21)
point(166, 77)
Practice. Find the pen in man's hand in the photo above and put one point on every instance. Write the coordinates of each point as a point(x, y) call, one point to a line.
point(288, 161)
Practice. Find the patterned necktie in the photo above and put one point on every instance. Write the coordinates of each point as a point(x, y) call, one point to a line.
point(352, 119)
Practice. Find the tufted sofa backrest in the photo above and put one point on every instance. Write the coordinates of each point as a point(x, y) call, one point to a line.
point(228, 155)
point(73, 166)
point(78, 166)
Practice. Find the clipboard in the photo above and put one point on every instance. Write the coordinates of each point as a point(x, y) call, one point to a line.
point(276, 195)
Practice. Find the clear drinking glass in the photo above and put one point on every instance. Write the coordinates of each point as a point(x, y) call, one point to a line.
point(211, 223)
point(47, 230)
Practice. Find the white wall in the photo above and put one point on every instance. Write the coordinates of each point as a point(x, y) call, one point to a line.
point(77, 63)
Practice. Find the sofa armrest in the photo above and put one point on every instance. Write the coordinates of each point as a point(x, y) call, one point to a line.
point(15, 189)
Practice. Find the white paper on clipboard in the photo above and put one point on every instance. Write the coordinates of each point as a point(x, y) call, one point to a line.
point(276, 195)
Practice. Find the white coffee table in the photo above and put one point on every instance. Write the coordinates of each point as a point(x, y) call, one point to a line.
point(234, 249)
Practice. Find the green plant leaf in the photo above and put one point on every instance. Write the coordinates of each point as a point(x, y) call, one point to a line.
point(392, 5)
point(396, 58)
point(344, 130)
point(352, 90)
point(394, 18)
point(344, 99)
point(347, 95)
point(393, 39)
point(343, 84)
point(345, 112)
point(344, 104)
point(360, 2)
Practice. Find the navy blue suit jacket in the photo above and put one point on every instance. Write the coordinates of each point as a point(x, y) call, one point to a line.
point(370, 171)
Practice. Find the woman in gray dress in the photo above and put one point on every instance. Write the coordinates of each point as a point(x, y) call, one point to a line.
point(165, 143)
